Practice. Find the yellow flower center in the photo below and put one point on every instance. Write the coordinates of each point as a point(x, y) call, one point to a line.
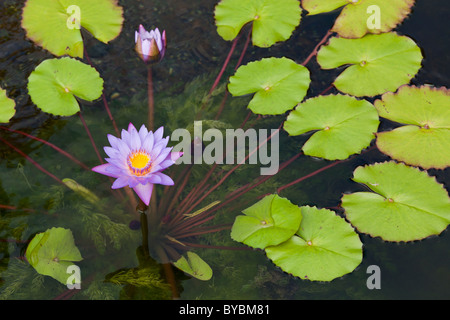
point(139, 163)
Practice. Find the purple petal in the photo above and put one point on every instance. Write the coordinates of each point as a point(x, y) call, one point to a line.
point(171, 159)
point(123, 148)
point(159, 133)
point(147, 145)
point(158, 147)
point(111, 152)
point(120, 182)
point(102, 169)
point(131, 127)
point(165, 179)
point(143, 132)
point(174, 156)
point(118, 163)
point(162, 156)
point(125, 136)
point(113, 141)
point(135, 140)
point(144, 192)
point(153, 179)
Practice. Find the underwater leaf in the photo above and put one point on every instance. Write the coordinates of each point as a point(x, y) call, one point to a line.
point(273, 20)
point(378, 63)
point(278, 83)
point(325, 247)
point(52, 252)
point(268, 222)
point(345, 125)
point(82, 191)
point(55, 24)
point(359, 17)
point(7, 107)
point(425, 139)
point(54, 84)
point(407, 204)
point(195, 266)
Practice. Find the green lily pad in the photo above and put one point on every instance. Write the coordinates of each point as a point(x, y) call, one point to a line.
point(7, 107)
point(325, 247)
point(52, 252)
point(54, 84)
point(55, 24)
point(273, 20)
point(194, 266)
point(407, 204)
point(425, 139)
point(345, 125)
point(378, 63)
point(268, 222)
point(355, 19)
point(278, 83)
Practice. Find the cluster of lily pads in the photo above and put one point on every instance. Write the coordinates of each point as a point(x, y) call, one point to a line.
point(404, 203)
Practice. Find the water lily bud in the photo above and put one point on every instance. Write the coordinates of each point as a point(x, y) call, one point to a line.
point(151, 46)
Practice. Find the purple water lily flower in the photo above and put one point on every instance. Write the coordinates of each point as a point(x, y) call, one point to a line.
point(137, 159)
point(151, 46)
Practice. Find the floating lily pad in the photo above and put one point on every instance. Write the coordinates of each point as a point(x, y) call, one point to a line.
point(273, 20)
point(425, 140)
point(325, 247)
point(55, 83)
point(355, 19)
point(378, 63)
point(278, 83)
point(7, 107)
point(55, 24)
point(345, 125)
point(407, 204)
point(194, 266)
point(52, 252)
point(268, 222)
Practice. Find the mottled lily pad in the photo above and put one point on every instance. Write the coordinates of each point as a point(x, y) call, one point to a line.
point(273, 20)
point(278, 83)
point(425, 139)
point(356, 18)
point(407, 204)
point(325, 247)
point(52, 252)
point(55, 24)
point(55, 83)
point(7, 107)
point(194, 266)
point(343, 125)
point(268, 222)
point(377, 63)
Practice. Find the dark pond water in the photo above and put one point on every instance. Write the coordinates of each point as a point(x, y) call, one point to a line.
point(32, 202)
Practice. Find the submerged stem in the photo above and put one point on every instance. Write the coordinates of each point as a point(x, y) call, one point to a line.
point(66, 154)
point(314, 52)
point(90, 137)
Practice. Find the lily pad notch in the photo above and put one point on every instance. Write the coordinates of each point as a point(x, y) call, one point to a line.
point(55, 24)
point(52, 252)
point(272, 20)
point(56, 83)
point(7, 107)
